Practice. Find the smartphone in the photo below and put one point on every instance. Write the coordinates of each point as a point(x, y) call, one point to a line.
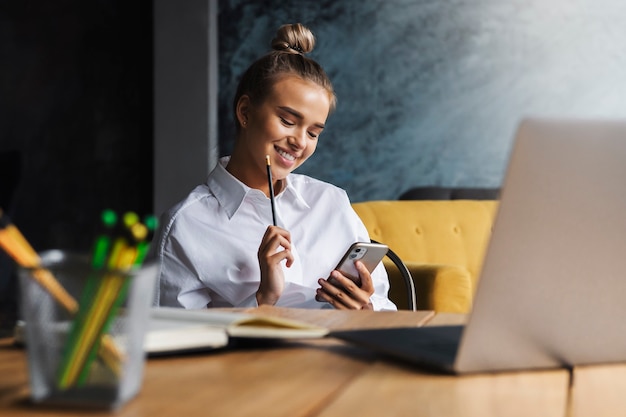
point(369, 253)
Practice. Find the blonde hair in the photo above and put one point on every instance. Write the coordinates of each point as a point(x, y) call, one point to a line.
point(289, 47)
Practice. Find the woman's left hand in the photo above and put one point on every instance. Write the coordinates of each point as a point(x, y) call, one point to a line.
point(343, 293)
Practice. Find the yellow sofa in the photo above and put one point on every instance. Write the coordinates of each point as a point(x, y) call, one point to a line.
point(442, 242)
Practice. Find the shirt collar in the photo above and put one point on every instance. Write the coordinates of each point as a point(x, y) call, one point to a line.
point(291, 190)
point(230, 192)
point(227, 189)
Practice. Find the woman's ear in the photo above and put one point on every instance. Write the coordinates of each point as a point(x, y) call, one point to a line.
point(243, 110)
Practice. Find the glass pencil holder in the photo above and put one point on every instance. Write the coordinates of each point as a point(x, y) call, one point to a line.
point(84, 330)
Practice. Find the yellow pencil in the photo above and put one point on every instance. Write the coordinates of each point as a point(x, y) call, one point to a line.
point(16, 245)
point(99, 303)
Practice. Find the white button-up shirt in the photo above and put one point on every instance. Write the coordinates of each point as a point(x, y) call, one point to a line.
point(207, 244)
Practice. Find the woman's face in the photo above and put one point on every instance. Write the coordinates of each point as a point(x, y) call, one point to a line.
point(285, 126)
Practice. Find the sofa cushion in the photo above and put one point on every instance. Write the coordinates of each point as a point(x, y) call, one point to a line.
point(442, 288)
point(446, 232)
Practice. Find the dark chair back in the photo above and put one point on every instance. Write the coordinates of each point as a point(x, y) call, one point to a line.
point(407, 278)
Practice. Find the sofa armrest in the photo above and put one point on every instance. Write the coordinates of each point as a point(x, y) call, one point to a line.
point(442, 288)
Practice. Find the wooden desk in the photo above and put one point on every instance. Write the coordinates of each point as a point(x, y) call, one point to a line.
point(309, 378)
point(598, 391)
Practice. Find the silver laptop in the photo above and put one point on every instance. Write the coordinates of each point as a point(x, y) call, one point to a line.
point(552, 292)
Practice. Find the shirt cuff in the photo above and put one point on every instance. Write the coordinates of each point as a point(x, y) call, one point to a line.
point(249, 301)
point(382, 304)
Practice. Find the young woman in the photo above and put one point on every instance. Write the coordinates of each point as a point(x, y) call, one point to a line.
point(219, 248)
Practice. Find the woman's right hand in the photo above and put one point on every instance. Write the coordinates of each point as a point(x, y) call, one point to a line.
point(270, 260)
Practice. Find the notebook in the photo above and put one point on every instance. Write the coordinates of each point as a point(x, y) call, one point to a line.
point(552, 291)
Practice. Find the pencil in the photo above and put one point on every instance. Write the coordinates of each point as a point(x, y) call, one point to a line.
point(103, 241)
point(16, 245)
point(100, 301)
point(89, 327)
point(144, 237)
point(271, 184)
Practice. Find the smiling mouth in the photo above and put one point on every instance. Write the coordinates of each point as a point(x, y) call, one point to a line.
point(285, 155)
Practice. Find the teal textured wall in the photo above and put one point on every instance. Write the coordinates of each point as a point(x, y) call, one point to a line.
point(430, 92)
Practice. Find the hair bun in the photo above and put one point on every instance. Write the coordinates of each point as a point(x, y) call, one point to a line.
point(294, 38)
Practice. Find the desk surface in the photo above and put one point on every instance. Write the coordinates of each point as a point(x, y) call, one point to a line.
point(322, 378)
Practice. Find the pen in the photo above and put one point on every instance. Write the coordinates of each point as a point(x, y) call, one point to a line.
point(271, 184)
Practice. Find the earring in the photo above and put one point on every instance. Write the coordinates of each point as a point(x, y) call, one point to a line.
point(244, 123)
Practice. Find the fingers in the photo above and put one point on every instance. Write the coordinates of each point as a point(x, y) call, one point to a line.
point(273, 239)
point(343, 293)
point(367, 284)
point(270, 258)
point(336, 296)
